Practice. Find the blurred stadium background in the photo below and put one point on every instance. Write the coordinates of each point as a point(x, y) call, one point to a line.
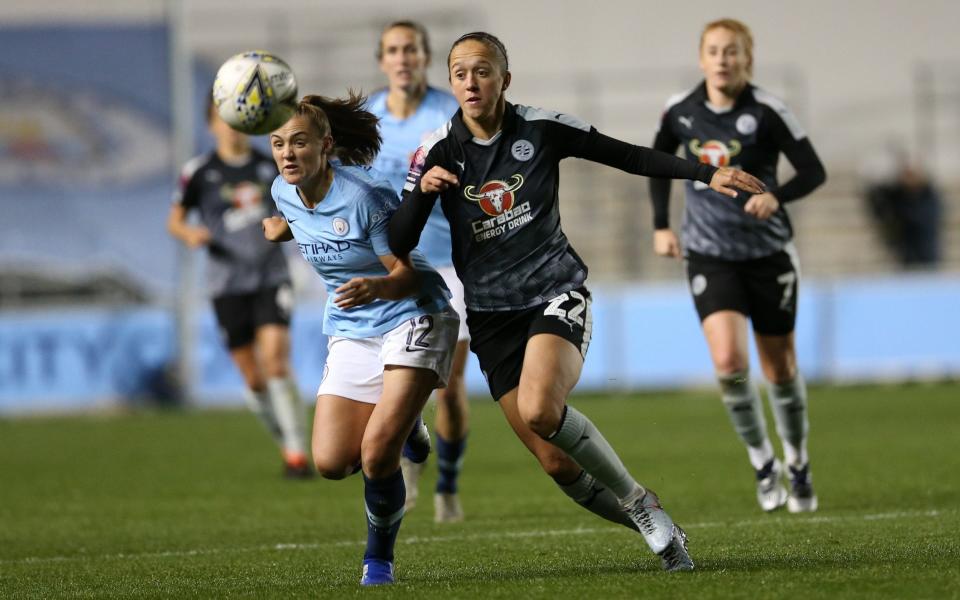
point(101, 101)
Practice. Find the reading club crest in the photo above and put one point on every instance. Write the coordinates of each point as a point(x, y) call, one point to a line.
point(495, 197)
point(522, 150)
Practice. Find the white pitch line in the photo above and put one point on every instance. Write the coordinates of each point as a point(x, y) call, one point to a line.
point(778, 521)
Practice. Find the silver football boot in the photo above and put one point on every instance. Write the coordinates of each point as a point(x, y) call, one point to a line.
point(667, 541)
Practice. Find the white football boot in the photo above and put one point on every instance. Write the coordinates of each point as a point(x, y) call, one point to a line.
point(411, 477)
point(413, 459)
point(771, 494)
point(802, 497)
point(446, 508)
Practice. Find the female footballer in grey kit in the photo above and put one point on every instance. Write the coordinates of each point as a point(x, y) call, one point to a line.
point(740, 258)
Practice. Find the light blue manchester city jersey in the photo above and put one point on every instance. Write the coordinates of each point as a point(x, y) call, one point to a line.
point(343, 237)
point(401, 138)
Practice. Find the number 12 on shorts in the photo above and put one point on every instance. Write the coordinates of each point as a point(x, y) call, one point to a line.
point(415, 345)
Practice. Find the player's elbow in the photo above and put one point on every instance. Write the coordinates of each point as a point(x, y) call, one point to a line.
point(817, 175)
point(400, 241)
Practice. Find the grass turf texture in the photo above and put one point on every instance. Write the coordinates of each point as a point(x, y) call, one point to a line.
point(191, 505)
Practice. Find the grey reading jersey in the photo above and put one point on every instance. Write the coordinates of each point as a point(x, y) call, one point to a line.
point(750, 136)
point(508, 248)
point(232, 201)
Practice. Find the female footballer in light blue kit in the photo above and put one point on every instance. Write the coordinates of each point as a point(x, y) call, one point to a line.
point(409, 111)
point(390, 326)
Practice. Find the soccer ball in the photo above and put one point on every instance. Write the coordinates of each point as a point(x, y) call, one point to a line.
point(255, 92)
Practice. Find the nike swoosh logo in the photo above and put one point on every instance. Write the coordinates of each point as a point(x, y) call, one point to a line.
point(292, 220)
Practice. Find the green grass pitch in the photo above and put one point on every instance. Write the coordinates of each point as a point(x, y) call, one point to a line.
point(191, 505)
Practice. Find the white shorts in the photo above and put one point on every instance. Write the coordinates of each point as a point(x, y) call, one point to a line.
point(449, 275)
point(354, 367)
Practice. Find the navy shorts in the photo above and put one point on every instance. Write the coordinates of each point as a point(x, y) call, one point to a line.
point(499, 338)
point(240, 315)
point(763, 289)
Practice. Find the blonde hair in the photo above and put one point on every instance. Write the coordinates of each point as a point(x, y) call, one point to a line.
point(740, 30)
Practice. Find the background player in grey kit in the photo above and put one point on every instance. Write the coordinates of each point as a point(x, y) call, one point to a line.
point(409, 111)
point(741, 262)
point(495, 167)
point(247, 278)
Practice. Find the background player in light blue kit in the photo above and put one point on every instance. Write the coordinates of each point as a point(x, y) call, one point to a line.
point(409, 111)
point(390, 326)
point(247, 278)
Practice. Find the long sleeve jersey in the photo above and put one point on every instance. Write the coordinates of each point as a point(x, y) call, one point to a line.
point(508, 247)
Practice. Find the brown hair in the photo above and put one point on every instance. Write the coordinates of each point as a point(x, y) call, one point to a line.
point(417, 27)
point(740, 30)
point(489, 40)
point(356, 138)
point(211, 106)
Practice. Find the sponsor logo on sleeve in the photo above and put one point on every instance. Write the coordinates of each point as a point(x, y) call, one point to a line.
point(417, 162)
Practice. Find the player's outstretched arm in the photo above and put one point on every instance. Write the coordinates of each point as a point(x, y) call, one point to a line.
point(276, 229)
point(408, 222)
point(649, 162)
point(402, 281)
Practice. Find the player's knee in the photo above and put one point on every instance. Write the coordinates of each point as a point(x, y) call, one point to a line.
point(376, 458)
point(332, 468)
point(541, 417)
point(729, 362)
point(781, 373)
point(276, 367)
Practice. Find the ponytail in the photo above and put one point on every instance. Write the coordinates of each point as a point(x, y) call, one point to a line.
point(356, 138)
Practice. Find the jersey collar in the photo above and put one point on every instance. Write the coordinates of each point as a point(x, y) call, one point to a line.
point(745, 97)
point(462, 134)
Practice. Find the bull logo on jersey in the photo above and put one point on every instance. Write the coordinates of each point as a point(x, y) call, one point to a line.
point(715, 152)
point(243, 195)
point(495, 197)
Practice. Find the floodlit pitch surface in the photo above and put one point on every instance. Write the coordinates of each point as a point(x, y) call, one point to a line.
point(191, 505)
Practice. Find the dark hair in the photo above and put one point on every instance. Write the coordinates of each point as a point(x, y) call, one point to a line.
point(356, 138)
point(417, 27)
point(488, 39)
